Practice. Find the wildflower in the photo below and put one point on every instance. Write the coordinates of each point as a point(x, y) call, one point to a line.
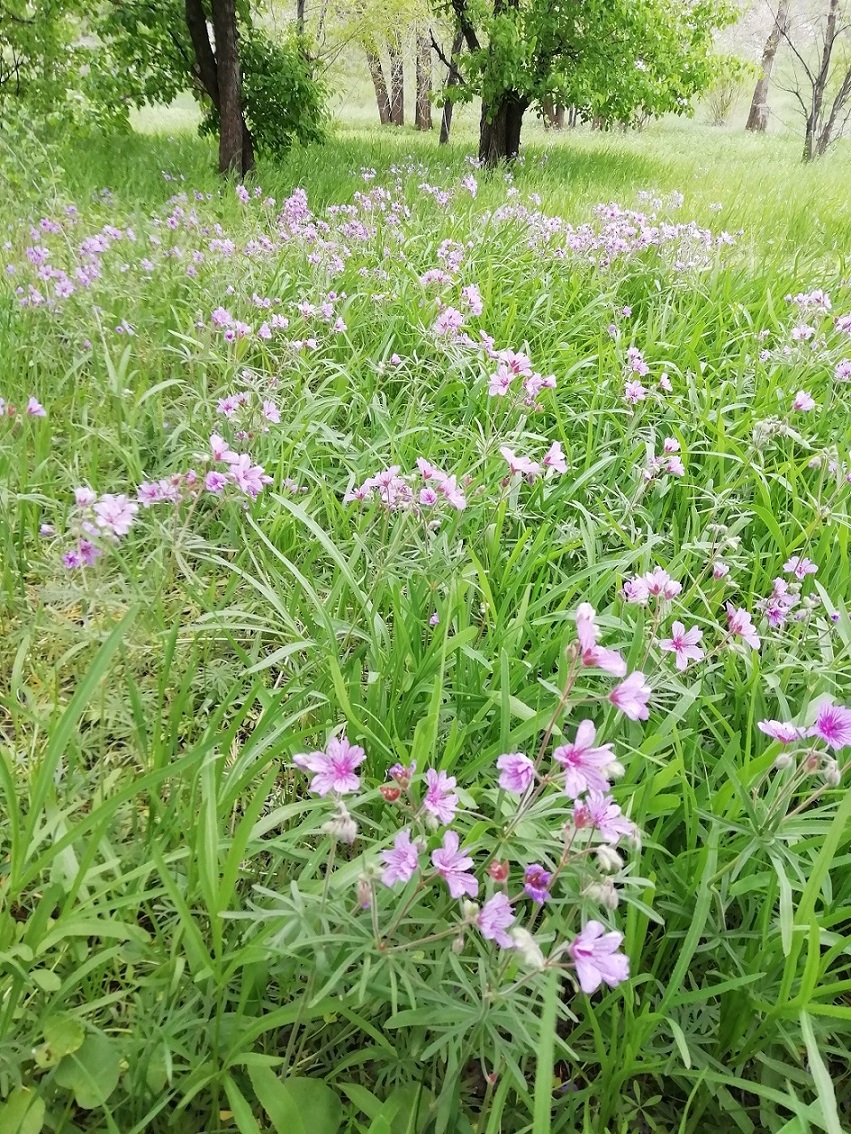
point(215, 482)
point(71, 560)
point(498, 871)
point(35, 408)
point(803, 401)
point(720, 570)
point(631, 697)
point(803, 332)
point(390, 793)
point(527, 947)
point(605, 816)
point(596, 957)
point(842, 370)
point(518, 464)
point(88, 553)
point(516, 772)
point(453, 867)
point(46, 530)
point(402, 862)
point(341, 825)
point(536, 882)
point(800, 567)
point(402, 774)
point(608, 859)
point(84, 496)
point(781, 731)
point(440, 800)
point(833, 726)
point(271, 412)
point(334, 770)
point(660, 584)
point(428, 497)
point(591, 654)
point(740, 625)
point(472, 297)
point(500, 382)
point(247, 477)
point(115, 513)
point(584, 764)
point(435, 619)
point(554, 458)
point(634, 392)
point(494, 918)
point(683, 643)
point(448, 322)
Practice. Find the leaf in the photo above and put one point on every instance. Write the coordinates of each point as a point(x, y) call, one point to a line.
point(297, 1105)
point(63, 1034)
point(544, 1061)
point(22, 1113)
point(92, 1072)
point(821, 1078)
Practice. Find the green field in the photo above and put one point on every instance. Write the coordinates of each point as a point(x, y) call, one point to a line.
point(186, 944)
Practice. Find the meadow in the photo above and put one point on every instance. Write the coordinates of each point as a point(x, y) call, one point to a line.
point(416, 470)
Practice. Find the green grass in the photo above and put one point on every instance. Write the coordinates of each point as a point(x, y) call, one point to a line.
point(166, 946)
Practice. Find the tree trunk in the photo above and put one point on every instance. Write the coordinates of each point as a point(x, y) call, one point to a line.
point(299, 16)
point(758, 116)
point(814, 118)
point(452, 80)
point(553, 115)
point(558, 118)
point(423, 103)
point(499, 129)
point(231, 125)
point(397, 80)
point(376, 71)
point(205, 70)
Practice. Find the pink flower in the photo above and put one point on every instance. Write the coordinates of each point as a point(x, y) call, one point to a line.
point(833, 726)
point(781, 730)
point(516, 772)
point(84, 496)
point(803, 401)
point(500, 382)
point(401, 863)
point(536, 883)
point(215, 481)
point(661, 585)
point(683, 643)
point(634, 392)
point(800, 567)
point(221, 450)
point(334, 770)
point(631, 697)
point(115, 513)
point(435, 619)
point(518, 464)
point(584, 764)
point(148, 494)
point(740, 624)
point(635, 590)
point(453, 867)
point(554, 458)
point(675, 466)
point(494, 918)
point(35, 408)
point(604, 814)
point(448, 322)
point(271, 413)
point(720, 570)
point(591, 654)
point(440, 800)
point(596, 957)
point(247, 477)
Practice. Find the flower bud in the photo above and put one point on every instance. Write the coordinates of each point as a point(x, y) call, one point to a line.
point(364, 894)
point(390, 792)
point(812, 762)
point(527, 947)
point(615, 770)
point(608, 859)
point(831, 773)
point(458, 944)
point(498, 871)
point(341, 825)
point(469, 911)
point(783, 761)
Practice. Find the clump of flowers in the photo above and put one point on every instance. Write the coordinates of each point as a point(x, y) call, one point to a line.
point(396, 493)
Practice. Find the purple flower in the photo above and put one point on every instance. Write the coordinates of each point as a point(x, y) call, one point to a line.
point(401, 863)
point(604, 815)
point(247, 477)
point(271, 412)
point(493, 920)
point(221, 450)
point(740, 625)
point(440, 800)
point(215, 481)
point(536, 883)
point(35, 408)
point(334, 770)
point(800, 567)
point(84, 496)
point(833, 726)
point(115, 513)
point(683, 643)
point(516, 772)
point(583, 763)
point(631, 697)
point(453, 866)
point(781, 731)
point(593, 655)
point(596, 957)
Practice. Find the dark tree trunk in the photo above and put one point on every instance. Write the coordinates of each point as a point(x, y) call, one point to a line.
point(453, 80)
point(499, 129)
point(813, 146)
point(423, 103)
point(376, 71)
point(758, 116)
point(553, 115)
point(397, 80)
point(558, 118)
point(299, 16)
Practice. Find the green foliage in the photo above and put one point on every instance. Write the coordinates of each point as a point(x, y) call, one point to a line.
point(283, 96)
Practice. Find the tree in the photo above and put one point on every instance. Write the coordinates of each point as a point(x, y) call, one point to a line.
point(397, 78)
point(758, 116)
point(821, 80)
point(612, 60)
point(453, 79)
point(422, 109)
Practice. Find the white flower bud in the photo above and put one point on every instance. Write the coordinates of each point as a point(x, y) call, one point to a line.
point(341, 825)
point(469, 911)
point(608, 859)
point(527, 947)
point(783, 761)
point(831, 773)
point(615, 770)
point(458, 943)
point(604, 893)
